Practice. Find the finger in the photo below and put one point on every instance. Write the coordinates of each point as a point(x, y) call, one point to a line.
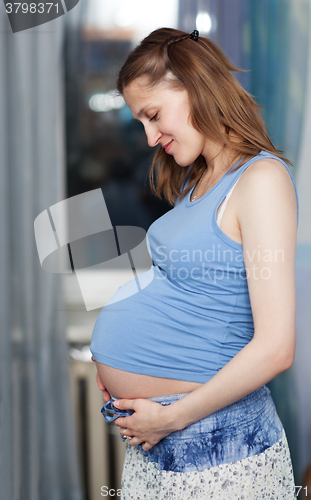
point(126, 432)
point(106, 395)
point(124, 404)
point(102, 388)
point(134, 441)
point(122, 422)
point(147, 446)
point(99, 382)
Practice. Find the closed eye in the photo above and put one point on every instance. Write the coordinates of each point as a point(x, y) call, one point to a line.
point(154, 117)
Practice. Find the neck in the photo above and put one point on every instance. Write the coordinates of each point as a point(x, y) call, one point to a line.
point(217, 158)
point(212, 163)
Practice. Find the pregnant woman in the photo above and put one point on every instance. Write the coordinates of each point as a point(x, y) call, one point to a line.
point(188, 356)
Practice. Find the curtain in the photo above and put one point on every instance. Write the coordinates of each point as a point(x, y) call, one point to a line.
point(38, 456)
point(276, 49)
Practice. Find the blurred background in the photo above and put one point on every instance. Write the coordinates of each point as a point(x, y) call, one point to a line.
point(63, 132)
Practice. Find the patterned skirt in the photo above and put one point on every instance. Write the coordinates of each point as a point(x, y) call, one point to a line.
point(239, 452)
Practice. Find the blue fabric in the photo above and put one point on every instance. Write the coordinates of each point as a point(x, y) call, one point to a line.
point(114, 413)
point(243, 429)
point(195, 313)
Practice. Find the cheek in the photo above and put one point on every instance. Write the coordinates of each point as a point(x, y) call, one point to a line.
point(194, 139)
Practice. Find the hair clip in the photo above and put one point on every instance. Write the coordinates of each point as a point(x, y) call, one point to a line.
point(194, 35)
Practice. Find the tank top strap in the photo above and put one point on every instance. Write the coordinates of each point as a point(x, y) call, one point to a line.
point(230, 178)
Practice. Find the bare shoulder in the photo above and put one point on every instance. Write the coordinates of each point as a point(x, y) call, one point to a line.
point(266, 170)
point(266, 185)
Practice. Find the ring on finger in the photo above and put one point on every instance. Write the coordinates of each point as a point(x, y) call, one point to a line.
point(124, 434)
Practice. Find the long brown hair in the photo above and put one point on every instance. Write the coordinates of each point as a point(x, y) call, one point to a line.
point(218, 103)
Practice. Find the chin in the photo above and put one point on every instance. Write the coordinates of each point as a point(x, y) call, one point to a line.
point(184, 163)
point(187, 159)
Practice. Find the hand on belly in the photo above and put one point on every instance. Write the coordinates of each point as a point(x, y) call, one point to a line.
point(123, 384)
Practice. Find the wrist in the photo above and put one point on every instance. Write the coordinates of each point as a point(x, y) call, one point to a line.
point(173, 418)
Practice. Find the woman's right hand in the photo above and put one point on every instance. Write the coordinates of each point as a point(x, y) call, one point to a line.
point(102, 387)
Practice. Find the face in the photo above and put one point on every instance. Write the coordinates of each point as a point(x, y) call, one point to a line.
point(165, 114)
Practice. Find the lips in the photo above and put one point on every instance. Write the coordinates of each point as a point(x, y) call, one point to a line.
point(168, 145)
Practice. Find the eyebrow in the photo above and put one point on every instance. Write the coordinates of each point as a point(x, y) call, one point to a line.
point(141, 112)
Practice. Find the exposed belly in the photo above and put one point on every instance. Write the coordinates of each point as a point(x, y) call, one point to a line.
point(122, 384)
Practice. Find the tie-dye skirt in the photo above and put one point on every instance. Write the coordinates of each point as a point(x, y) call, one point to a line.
point(239, 452)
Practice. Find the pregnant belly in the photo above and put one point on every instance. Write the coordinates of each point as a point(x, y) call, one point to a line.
point(128, 385)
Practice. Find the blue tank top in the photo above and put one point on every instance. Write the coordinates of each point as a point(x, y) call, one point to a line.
point(193, 313)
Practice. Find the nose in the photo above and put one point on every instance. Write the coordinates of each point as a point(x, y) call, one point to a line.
point(153, 135)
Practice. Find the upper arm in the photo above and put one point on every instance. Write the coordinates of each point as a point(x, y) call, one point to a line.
point(267, 214)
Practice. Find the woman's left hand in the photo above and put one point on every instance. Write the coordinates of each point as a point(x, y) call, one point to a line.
point(150, 423)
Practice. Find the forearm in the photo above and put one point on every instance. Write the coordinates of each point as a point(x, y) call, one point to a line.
point(251, 368)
